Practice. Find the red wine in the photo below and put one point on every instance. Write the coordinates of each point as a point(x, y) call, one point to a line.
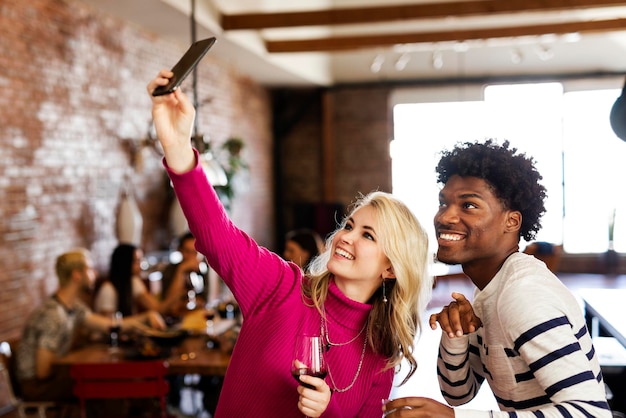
point(299, 372)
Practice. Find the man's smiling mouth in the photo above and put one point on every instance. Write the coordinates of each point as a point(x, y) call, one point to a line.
point(450, 237)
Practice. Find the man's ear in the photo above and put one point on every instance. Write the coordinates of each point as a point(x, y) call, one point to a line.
point(513, 221)
point(77, 275)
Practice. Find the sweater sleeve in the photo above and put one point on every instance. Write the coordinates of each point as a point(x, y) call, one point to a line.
point(256, 276)
point(458, 383)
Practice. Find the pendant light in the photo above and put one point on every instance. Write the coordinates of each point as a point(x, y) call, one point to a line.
point(213, 169)
point(129, 226)
point(617, 116)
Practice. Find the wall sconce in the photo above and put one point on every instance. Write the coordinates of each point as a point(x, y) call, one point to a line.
point(135, 148)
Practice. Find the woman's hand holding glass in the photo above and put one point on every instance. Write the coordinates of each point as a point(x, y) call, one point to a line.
point(309, 368)
point(314, 397)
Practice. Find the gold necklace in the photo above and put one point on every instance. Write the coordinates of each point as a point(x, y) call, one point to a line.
point(324, 329)
point(358, 371)
point(329, 343)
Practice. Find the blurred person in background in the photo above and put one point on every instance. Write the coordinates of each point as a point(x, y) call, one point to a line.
point(124, 291)
point(187, 283)
point(301, 246)
point(51, 329)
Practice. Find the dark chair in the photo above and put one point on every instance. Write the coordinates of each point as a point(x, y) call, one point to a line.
point(124, 380)
point(8, 402)
point(9, 395)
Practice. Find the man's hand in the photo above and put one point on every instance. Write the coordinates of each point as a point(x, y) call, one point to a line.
point(457, 318)
point(155, 320)
point(190, 264)
point(417, 408)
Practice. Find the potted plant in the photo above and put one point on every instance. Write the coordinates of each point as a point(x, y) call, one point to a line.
point(233, 163)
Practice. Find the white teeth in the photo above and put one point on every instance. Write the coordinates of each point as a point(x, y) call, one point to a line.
point(343, 253)
point(450, 237)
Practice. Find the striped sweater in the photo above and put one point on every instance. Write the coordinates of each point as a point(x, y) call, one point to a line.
point(258, 382)
point(534, 349)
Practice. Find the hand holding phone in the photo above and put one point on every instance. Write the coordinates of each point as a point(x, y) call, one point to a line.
point(185, 65)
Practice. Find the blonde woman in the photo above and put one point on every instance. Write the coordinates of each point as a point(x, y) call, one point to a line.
point(396, 305)
point(362, 297)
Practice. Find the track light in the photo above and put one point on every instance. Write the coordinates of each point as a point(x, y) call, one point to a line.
point(402, 61)
point(377, 64)
point(544, 52)
point(516, 56)
point(437, 60)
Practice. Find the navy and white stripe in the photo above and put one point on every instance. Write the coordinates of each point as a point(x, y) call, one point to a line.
point(534, 349)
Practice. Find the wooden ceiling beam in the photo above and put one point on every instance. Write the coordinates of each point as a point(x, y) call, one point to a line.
point(343, 43)
point(404, 12)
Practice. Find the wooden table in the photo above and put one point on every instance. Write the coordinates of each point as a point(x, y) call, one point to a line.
point(191, 357)
point(605, 307)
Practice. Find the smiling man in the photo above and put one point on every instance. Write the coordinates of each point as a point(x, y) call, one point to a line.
point(525, 333)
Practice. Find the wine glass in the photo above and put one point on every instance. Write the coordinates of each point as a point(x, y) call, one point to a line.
point(308, 358)
point(115, 330)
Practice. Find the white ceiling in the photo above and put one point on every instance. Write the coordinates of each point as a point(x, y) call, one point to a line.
point(443, 56)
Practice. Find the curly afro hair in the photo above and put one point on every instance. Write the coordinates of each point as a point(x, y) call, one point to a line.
point(513, 178)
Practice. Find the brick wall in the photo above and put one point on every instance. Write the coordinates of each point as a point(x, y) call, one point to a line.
point(360, 129)
point(73, 103)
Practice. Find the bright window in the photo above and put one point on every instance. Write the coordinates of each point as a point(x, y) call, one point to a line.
point(594, 172)
point(568, 134)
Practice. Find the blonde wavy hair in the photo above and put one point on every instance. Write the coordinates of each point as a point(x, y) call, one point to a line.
point(392, 326)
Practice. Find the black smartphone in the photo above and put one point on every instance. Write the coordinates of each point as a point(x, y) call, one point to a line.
point(185, 65)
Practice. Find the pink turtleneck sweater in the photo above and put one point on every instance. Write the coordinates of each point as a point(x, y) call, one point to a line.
point(259, 382)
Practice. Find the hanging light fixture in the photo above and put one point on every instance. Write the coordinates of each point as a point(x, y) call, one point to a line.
point(213, 169)
point(129, 219)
